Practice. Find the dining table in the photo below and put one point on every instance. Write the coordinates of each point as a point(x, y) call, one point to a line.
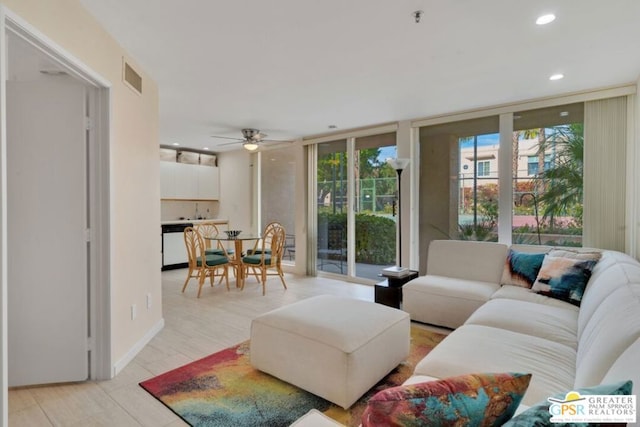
point(236, 260)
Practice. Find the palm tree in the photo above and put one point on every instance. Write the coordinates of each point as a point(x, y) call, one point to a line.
point(563, 180)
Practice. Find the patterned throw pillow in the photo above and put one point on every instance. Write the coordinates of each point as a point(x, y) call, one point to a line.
point(538, 414)
point(521, 268)
point(474, 399)
point(564, 274)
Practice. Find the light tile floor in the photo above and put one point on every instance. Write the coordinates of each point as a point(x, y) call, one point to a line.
point(194, 328)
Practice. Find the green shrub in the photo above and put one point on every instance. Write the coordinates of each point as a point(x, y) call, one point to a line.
point(375, 236)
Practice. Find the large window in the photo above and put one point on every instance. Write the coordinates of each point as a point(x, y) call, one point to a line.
point(478, 183)
point(459, 182)
point(548, 198)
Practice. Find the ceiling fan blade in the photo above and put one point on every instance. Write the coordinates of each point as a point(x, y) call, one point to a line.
point(226, 137)
point(275, 140)
point(231, 143)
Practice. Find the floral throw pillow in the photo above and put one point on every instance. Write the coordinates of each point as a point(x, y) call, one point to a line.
point(564, 274)
point(538, 414)
point(474, 399)
point(521, 268)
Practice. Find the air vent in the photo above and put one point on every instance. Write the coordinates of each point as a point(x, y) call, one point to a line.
point(132, 78)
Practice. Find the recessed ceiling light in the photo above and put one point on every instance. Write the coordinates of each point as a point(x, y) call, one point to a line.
point(564, 113)
point(546, 19)
point(556, 76)
point(206, 148)
point(175, 143)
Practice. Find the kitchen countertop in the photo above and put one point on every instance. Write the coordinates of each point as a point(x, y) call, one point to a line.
point(196, 221)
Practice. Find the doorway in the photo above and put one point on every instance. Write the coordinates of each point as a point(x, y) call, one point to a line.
point(57, 208)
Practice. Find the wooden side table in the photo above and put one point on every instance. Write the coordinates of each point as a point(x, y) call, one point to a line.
point(389, 291)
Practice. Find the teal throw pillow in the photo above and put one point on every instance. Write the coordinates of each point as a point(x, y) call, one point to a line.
point(538, 415)
point(521, 268)
point(473, 400)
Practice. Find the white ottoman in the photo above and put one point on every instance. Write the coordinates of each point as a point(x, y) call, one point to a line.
point(336, 348)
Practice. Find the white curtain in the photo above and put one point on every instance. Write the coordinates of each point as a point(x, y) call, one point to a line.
point(605, 140)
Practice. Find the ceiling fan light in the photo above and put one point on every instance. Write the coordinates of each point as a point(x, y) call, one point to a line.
point(250, 145)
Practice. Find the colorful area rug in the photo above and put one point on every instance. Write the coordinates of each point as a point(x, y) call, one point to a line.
point(223, 389)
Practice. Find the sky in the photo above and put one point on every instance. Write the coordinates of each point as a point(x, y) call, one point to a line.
point(483, 140)
point(386, 152)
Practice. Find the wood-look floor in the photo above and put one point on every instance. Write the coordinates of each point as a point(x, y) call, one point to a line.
point(194, 328)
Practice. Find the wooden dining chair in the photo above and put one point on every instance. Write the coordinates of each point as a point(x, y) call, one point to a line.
point(202, 265)
point(209, 230)
point(261, 244)
point(267, 255)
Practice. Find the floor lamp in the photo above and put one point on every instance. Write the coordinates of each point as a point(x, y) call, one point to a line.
point(399, 165)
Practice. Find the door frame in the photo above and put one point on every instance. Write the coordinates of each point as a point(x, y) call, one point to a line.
point(99, 237)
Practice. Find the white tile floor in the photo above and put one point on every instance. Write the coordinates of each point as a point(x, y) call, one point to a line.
point(194, 328)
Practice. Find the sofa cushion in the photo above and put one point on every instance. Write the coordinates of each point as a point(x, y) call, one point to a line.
point(539, 415)
point(523, 294)
point(476, 348)
point(467, 260)
point(521, 268)
point(552, 323)
point(564, 274)
point(444, 301)
point(472, 399)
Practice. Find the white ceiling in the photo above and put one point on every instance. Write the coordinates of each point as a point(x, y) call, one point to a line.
point(291, 68)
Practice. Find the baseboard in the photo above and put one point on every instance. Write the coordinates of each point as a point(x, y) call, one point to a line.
point(133, 351)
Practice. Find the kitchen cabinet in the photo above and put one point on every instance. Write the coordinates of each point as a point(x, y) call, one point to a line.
point(167, 180)
point(208, 179)
point(181, 181)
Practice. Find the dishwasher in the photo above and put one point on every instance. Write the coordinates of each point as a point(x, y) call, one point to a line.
point(174, 252)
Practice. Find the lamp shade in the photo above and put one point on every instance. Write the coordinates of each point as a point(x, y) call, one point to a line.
point(398, 163)
point(251, 146)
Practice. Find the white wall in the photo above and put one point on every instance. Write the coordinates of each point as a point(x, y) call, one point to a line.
point(134, 169)
point(237, 187)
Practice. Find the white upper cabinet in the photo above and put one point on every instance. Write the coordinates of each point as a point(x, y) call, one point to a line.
point(208, 182)
point(167, 180)
point(189, 182)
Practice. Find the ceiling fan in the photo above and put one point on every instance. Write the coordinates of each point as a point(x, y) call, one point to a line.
point(252, 139)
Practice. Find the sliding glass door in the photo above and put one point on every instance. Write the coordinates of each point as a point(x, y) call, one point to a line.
point(356, 206)
point(375, 205)
point(331, 194)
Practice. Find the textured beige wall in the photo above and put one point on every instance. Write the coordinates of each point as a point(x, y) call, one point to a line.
point(278, 182)
point(134, 168)
point(237, 189)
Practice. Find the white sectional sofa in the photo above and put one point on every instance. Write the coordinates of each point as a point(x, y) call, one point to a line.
point(503, 328)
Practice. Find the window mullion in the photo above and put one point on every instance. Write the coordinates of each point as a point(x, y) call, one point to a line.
point(505, 179)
